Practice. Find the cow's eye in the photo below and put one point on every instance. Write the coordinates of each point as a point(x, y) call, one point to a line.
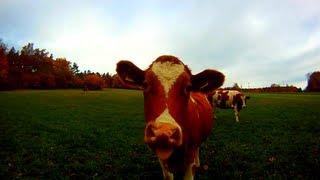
point(187, 89)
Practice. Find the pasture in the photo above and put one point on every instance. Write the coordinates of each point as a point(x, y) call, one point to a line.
point(66, 133)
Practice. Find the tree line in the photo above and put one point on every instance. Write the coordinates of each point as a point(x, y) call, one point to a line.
point(313, 85)
point(273, 88)
point(35, 68)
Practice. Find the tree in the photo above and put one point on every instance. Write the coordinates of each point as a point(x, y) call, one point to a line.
point(313, 82)
point(75, 68)
point(94, 82)
point(236, 86)
point(15, 70)
point(28, 49)
point(274, 85)
point(36, 68)
point(108, 79)
point(62, 72)
point(116, 82)
point(78, 82)
point(4, 68)
point(3, 46)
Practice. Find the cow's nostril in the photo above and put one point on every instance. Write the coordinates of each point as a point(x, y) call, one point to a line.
point(176, 134)
point(172, 141)
point(153, 139)
point(176, 137)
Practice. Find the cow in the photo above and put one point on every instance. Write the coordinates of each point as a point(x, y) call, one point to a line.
point(230, 99)
point(177, 112)
point(85, 89)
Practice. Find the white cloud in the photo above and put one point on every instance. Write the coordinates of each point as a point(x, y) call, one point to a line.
point(256, 43)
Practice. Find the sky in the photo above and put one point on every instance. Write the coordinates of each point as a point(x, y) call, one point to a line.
point(254, 43)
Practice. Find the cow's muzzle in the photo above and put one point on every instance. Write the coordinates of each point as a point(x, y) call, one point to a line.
point(163, 138)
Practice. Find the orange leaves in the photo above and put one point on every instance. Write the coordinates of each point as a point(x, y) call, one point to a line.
point(94, 82)
point(4, 68)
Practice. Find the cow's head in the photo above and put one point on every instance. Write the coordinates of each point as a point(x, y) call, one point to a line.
point(223, 97)
point(241, 100)
point(166, 85)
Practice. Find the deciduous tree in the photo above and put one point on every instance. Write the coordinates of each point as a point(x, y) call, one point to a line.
point(314, 82)
point(4, 68)
point(62, 72)
point(94, 82)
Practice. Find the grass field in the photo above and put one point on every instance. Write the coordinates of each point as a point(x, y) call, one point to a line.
point(65, 133)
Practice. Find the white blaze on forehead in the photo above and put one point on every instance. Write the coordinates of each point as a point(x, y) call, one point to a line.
point(167, 73)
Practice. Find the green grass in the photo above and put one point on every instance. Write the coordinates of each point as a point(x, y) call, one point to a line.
point(67, 134)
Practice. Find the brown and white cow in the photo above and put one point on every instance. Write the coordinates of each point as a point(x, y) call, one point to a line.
point(230, 99)
point(177, 112)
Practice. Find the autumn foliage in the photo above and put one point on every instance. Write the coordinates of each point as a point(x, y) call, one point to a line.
point(94, 82)
point(314, 82)
point(37, 69)
point(4, 68)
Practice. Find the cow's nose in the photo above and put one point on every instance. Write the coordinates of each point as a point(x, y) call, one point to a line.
point(163, 134)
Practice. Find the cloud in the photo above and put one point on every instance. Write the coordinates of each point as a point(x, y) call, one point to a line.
point(252, 42)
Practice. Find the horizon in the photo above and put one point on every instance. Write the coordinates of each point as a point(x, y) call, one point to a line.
point(253, 44)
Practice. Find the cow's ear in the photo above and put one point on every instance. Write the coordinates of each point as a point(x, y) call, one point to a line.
point(207, 80)
point(130, 74)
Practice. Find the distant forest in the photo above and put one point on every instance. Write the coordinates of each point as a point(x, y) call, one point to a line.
point(31, 68)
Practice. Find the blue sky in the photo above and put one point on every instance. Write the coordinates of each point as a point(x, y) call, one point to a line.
point(254, 43)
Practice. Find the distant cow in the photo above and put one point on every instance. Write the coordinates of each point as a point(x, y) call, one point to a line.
point(85, 89)
point(177, 112)
point(230, 99)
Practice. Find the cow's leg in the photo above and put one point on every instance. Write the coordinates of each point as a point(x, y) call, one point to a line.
point(189, 174)
point(214, 107)
point(166, 174)
point(197, 160)
point(236, 113)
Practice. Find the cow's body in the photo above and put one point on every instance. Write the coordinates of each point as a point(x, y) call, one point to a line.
point(230, 99)
point(178, 114)
point(197, 128)
point(85, 89)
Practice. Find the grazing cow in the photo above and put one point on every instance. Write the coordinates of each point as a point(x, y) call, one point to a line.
point(177, 112)
point(230, 99)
